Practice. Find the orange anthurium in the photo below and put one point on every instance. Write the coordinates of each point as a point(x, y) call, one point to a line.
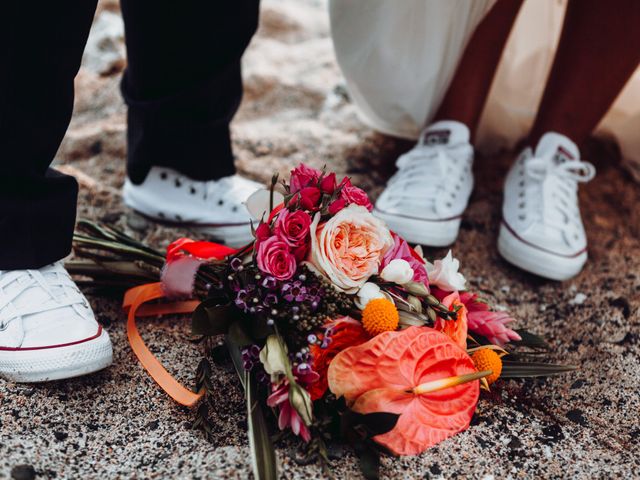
point(418, 373)
point(455, 329)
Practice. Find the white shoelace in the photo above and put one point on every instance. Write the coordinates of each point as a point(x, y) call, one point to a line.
point(59, 287)
point(561, 207)
point(421, 175)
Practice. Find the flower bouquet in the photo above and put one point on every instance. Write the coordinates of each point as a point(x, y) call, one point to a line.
point(347, 333)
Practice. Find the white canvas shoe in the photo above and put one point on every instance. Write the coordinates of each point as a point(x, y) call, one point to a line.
point(425, 199)
point(47, 328)
point(541, 229)
point(215, 207)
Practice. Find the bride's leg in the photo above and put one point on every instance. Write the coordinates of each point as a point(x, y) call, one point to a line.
point(599, 50)
point(467, 93)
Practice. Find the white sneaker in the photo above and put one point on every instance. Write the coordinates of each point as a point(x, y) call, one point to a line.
point(425, 199)
point(541, 230)
point(47, 328)
point(216, 207)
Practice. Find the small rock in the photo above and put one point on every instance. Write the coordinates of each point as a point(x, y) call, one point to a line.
point(577, 417)
point(60, 436)
point(137, 222)
point(578, 299)
point(23, 472)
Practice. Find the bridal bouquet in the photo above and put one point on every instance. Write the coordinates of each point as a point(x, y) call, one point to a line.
point(339, 330)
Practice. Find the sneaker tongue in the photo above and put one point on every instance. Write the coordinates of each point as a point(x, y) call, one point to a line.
point(446, 132)
point(557, 147)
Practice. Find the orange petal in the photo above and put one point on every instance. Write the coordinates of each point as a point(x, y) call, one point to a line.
point(377, 376)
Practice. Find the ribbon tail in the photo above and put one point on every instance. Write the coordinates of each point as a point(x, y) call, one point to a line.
point(134, 304)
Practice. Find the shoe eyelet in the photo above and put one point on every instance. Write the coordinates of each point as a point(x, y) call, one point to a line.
point(192, 190)
point(221, 202)
point(235, 208)
point(163, 175)
point(522, 217)
point(521, 205)
point(521, 183)
point(178, 183)
point(448, 204)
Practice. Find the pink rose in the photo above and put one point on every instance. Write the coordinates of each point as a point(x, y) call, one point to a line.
point(337, 205)
point(401, 250)
point(352, 194)
point(328, 183)
point(293, 227)
point(275, 259)
point(310, 198)
point(303, 176)
point(349, 247)
point(262, 232)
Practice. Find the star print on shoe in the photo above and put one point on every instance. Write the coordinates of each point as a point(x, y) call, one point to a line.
point(215, 207)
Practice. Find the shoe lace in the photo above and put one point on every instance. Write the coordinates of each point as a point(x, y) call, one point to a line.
point(61, 290)
point(560, 206)
point(421, 175)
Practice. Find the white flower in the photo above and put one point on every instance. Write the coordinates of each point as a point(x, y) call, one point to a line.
point(444, 274)
point(368, 292)
point(397, 271)
point(273, 357)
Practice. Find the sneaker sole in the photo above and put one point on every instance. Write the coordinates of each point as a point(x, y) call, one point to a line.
point(233, 235)
point(56, 363)
point(431, 233)
point(535, 260)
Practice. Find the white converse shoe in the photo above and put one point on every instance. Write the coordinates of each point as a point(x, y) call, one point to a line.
point(425, 199)
point(541, 230)
point(216, 207)
point(47, 328)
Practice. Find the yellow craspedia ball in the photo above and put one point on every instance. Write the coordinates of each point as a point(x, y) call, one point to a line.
point(380, 315)
point(487, 359)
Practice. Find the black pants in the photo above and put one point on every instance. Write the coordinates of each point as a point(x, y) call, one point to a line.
point(182, 86)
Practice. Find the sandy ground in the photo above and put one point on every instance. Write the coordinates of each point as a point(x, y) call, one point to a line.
point(118, 424)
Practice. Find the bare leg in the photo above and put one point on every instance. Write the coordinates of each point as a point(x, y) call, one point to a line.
point(599, 50)
point(468, 91)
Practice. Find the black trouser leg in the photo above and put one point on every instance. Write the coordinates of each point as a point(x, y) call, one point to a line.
point(183, 83)
point(40, 51)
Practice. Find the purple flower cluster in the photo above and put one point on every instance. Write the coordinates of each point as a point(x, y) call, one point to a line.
point(257, 293)
point(251, 362)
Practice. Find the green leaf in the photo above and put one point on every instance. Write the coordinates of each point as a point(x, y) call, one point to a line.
point(369, 462)
point(210, 318)
point(263, 456)
point(530, 340)
point(513, 369)
point(374, 424)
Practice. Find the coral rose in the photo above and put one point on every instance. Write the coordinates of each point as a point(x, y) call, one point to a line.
point(274, 258)
point(349, 247)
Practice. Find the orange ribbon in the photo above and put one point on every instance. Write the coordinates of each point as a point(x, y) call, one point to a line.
point(134, 305)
